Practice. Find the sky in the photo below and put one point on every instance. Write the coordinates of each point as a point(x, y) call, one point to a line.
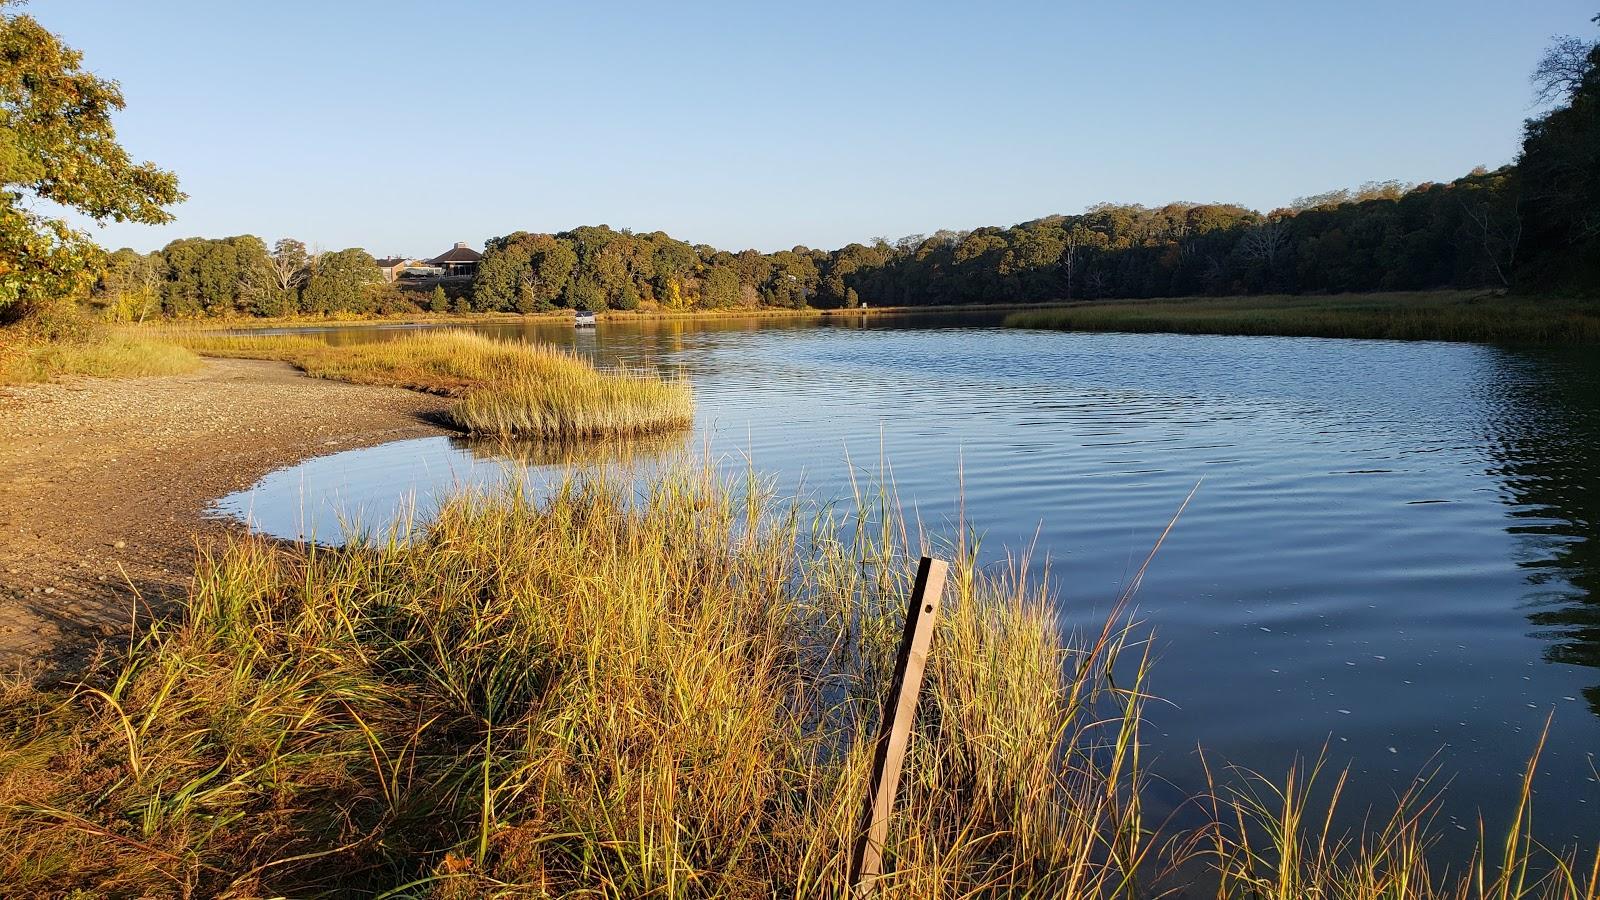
point(403, 127)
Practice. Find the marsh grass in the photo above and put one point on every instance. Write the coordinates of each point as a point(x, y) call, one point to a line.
point(97, 354)
point(505, 388)
point(573, 403)
point(1280, 840)
point(601, 693)
point(1442, 316)
point(609, 689)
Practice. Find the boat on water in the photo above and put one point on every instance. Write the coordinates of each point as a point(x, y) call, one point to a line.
point(585, 319)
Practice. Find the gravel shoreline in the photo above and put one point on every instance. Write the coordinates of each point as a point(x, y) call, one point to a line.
point(104, 485)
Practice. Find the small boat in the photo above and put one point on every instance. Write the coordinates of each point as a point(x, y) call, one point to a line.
point(585, 319)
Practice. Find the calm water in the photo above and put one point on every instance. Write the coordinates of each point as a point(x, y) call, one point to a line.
point(1392, 550)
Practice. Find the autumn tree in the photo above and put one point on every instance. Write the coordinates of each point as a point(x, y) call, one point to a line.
point(57, 144)
point(129, 285)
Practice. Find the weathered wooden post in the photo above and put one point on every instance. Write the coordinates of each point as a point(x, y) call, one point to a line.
point(900, 709)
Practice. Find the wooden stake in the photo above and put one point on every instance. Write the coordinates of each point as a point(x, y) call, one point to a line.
point(900, 709)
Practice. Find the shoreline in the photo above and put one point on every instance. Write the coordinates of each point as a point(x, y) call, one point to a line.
point(565, 315)
point(106, 482)
point(1472, 316)
point(87, 466)
point(1458, 316)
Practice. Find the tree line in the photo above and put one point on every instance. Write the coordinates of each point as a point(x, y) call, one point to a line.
point(1533, 225)
point(241, 276)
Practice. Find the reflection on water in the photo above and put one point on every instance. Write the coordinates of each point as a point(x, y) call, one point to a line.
point(364, 491)
point(520, 453)
point(1547, 439)
point(1393, 551)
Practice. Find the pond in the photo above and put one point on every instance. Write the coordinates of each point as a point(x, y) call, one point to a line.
point(1392, 551)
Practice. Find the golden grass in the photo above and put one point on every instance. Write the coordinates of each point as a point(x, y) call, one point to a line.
point(1272, 840)
point(1438, 315)
point(574, 403)
point(602, 694)
point(506, 388)
point(667, 690)
point(101, 355)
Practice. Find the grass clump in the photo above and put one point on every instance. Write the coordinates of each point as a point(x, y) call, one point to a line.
point(600, 693)
point(1438, 316)
point(511, 389)
point(573, 402)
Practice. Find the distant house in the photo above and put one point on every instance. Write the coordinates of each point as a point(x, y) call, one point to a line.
point(458, 260)
point(392, 266)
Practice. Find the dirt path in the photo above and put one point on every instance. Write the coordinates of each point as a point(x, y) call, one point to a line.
point(104, 483)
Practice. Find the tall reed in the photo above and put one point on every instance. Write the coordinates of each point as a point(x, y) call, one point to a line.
point(1283, 841)
point(670, 693)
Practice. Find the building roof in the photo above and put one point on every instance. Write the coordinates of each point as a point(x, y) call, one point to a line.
point(389, 262)
point(460, 253)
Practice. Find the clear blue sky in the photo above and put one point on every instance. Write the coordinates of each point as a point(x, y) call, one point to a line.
point(401, 127)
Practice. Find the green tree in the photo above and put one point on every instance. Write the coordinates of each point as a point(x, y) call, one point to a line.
point(501, 271)
point(720, 288)
point(523, 271)
point(218, 276)
point(57, 144)
point(585, 293)
point(793, 278)
point(551, 262)
point(438, 301)
point(341, 282)
point(629, 298)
